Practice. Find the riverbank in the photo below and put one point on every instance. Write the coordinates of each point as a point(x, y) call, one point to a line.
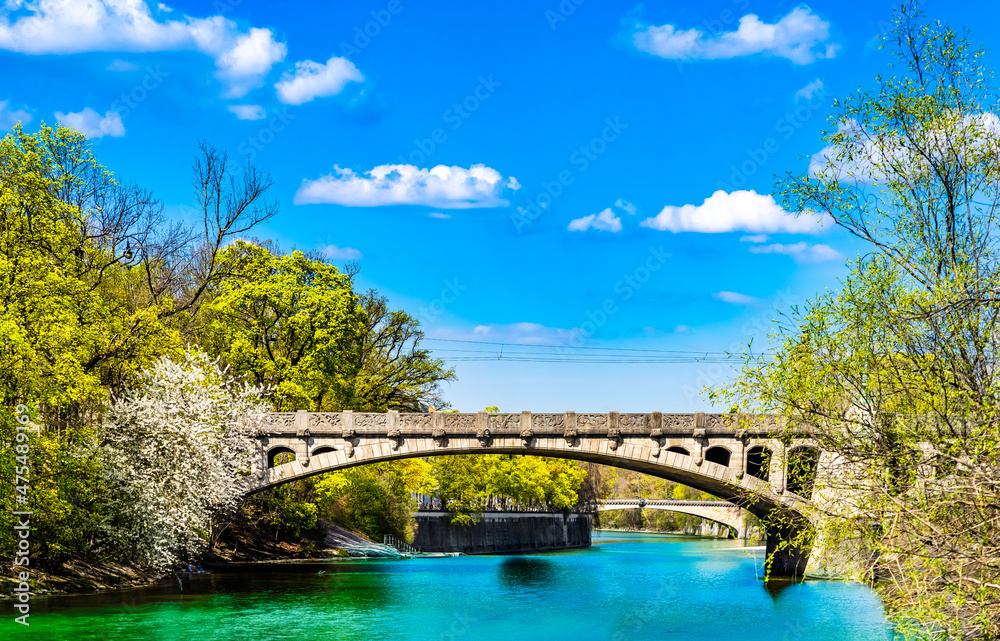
point(78, 576)
point(75, 577)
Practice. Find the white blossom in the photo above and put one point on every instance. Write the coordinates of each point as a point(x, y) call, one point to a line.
point(174, 451)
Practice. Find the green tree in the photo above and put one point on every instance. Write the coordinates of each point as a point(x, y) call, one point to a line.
point(294, 322)
point(470, 483)
point(95, 285)
point(374, 499)
point(285, 322)
point(389, 368)
point(70, 328)
point(894, 375)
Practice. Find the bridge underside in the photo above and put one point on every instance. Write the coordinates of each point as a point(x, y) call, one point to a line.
point(743, 490)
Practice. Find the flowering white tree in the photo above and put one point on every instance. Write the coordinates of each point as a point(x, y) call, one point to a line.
point(173, 452)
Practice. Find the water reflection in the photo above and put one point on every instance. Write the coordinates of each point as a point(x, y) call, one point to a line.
point(526, 572)
point(775, 587)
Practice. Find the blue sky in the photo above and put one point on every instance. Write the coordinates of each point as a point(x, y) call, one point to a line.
point(585, 175)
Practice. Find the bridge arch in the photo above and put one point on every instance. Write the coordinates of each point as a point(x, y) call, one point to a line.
point(722, 512)
point(803, 465)
point(718, 455)
point(275, 455)
point(708, 476)
point(669, 446)
point(323, 449)
point(758, 462)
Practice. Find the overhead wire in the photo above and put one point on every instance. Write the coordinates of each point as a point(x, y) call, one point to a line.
point(572, 354)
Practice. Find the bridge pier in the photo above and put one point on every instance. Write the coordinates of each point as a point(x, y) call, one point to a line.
point(787, 551)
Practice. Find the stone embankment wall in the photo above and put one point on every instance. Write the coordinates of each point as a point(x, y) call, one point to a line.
point(502, 533)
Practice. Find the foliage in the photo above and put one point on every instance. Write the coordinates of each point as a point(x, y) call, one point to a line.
point(284, 322)
point(390, 370)
point(98, 288)
point(375, 499)
point(69, 314)
point(294, 323)
point(70, 329)
point(95, 285)
point(173, 451)
point(468, 484)
point(296, 516)
point(895, 374)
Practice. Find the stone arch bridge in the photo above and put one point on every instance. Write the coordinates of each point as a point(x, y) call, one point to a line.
point(724, 512)
point(734, 458)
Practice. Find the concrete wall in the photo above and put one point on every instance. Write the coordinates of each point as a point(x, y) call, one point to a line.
point(502, 533)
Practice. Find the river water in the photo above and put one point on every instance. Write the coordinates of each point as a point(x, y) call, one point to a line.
point(628, 587)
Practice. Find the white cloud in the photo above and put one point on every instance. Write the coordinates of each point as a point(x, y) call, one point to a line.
point(737, 211)
point(248, 112)
point(77, 26)
point(334, 252)
point(249, 60)
point(442, 187)
point(626, 206)
point(10, 117)
point(606, 220)
point(438, 214)
point(735, 298)
point(758, 238)
point(121, 65)
point(801, 36)
point(807, 92)
point(802, 252)
point(312, 80)
point(603, 221)
point(92, 124)
point(164, 8)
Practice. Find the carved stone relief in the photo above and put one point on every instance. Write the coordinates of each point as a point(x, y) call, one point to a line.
point(324, 420)
point(460, 421)
point(501, 422)
point(395, 438)
point(614, 438)
point(370, 420)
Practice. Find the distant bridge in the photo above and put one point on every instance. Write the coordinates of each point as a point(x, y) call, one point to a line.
point(724, 512)
point(735, 458)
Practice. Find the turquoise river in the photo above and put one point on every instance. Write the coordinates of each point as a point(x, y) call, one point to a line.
point(628, 587)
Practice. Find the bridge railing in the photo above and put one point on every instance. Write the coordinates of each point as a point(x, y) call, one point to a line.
point(517, 424)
